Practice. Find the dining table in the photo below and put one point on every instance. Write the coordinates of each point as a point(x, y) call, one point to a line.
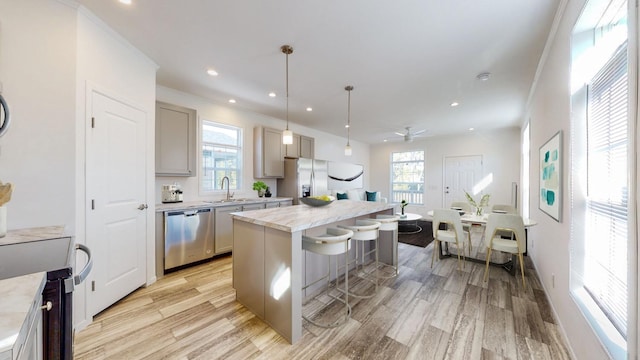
point(481, 220)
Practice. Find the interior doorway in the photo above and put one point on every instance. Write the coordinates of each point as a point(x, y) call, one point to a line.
point(460, 173)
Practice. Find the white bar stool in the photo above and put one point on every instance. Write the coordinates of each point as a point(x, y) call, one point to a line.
point(390, 223)
point(334, 242)
point(364, 230)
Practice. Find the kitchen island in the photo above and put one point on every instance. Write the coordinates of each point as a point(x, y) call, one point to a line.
point(269, 266)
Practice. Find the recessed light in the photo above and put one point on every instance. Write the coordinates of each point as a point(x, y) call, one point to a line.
point(385, 140)
point(346, 126)
point(272, 94)
point(483, 76)
point(212, 72)
point(233, 101)
point(309, 109)
point(471, 129)
point(126, 2)
point(454, 104)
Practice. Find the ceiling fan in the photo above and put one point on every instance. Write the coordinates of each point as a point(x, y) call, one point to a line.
point(409, 135)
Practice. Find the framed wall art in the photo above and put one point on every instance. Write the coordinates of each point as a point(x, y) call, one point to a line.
point(550, 195)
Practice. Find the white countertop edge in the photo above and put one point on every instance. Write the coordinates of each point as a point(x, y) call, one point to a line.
point(302, 217)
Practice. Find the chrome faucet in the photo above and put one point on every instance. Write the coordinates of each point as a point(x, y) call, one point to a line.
point(229, 196)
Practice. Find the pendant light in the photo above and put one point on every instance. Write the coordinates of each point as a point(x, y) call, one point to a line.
point(287, 135)
point(347, 149)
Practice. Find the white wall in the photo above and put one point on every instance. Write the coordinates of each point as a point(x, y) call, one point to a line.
point(500, 152)
point(107, 63)
point(327, 146)
point(549, 240)
point(37, 71)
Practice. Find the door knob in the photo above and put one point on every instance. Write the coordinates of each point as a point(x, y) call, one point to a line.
point(142, 206)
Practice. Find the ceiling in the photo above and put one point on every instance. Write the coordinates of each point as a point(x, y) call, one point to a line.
point(407, 60)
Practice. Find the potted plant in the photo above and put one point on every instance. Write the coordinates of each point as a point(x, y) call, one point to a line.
point(260, 187)
point(484, 202)
point(403, 204)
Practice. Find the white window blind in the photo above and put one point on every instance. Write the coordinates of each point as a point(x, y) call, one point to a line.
point(605, 266)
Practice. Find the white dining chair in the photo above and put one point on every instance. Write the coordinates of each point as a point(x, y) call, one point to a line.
point(505, 222)
point(453, 234)
point(468, 209)
point(504, 209)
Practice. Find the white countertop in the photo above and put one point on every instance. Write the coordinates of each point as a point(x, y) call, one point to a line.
point(215, 203)
point(302, 217)
point(17, 308)
point(32, 234)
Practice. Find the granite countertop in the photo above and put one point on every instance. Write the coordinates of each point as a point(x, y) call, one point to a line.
point(215, 203)
point(302, 217)
point(19, 303)
point(33, 234)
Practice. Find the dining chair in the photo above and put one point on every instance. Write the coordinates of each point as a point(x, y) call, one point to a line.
point(505, 222)
point(468, 209)
point(453, 233)
point(504, 209)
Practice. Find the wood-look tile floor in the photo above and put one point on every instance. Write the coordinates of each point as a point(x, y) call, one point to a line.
point(424, 313)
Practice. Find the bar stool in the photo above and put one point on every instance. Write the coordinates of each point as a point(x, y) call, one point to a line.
point(364, 230)
point(390, 223)
point(333, 242)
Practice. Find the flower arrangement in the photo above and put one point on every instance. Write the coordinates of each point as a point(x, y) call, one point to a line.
point(484, 201)
point(403, 203)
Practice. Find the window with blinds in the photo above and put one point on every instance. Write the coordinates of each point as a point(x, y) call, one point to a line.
point(221, 156)
point(606, 236)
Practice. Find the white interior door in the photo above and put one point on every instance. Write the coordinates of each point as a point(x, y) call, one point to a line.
point(460, 173)
point(116, 188)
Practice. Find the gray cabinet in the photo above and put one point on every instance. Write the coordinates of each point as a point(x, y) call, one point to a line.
point(285, 203)
point(32, 348)
point(175, 140)
point(272, 204)
point(307, 145)
point(268, 153)
point(302, 147)
point(224, 228)
point(224, 225)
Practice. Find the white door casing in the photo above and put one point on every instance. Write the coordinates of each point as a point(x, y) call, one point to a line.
point(116, 190)
point(460, 173)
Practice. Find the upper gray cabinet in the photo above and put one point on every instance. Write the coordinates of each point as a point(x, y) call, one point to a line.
point(268, 153)
point(302, 147)
point(175, 140)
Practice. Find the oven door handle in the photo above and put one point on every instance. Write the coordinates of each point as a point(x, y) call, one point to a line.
point(70, 283)
point(78, 279)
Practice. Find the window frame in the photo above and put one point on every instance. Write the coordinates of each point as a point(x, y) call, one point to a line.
point(586, 34)
point(415, 197)
point(236, 182)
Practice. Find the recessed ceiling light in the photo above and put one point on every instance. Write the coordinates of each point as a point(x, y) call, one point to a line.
point(233, 101)
point(346, 126)
point(454, 104)
point(126, 2)
point(385, 140)
point(309, 109)
point(483, 76)
point(212, 72)
point(471, 129)
point(272, 94)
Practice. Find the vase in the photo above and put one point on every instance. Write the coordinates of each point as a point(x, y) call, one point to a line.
point(402, 210)
point(479, 211)
point(261, 192)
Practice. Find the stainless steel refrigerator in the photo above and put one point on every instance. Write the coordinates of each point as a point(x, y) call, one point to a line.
point(303, 178)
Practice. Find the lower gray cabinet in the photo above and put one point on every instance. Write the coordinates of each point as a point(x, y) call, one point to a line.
point(224, 228)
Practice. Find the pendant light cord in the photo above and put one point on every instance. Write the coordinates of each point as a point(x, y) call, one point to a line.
point(287, 88)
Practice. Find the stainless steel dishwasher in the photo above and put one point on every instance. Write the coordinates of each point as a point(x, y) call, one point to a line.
point(188, 236)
